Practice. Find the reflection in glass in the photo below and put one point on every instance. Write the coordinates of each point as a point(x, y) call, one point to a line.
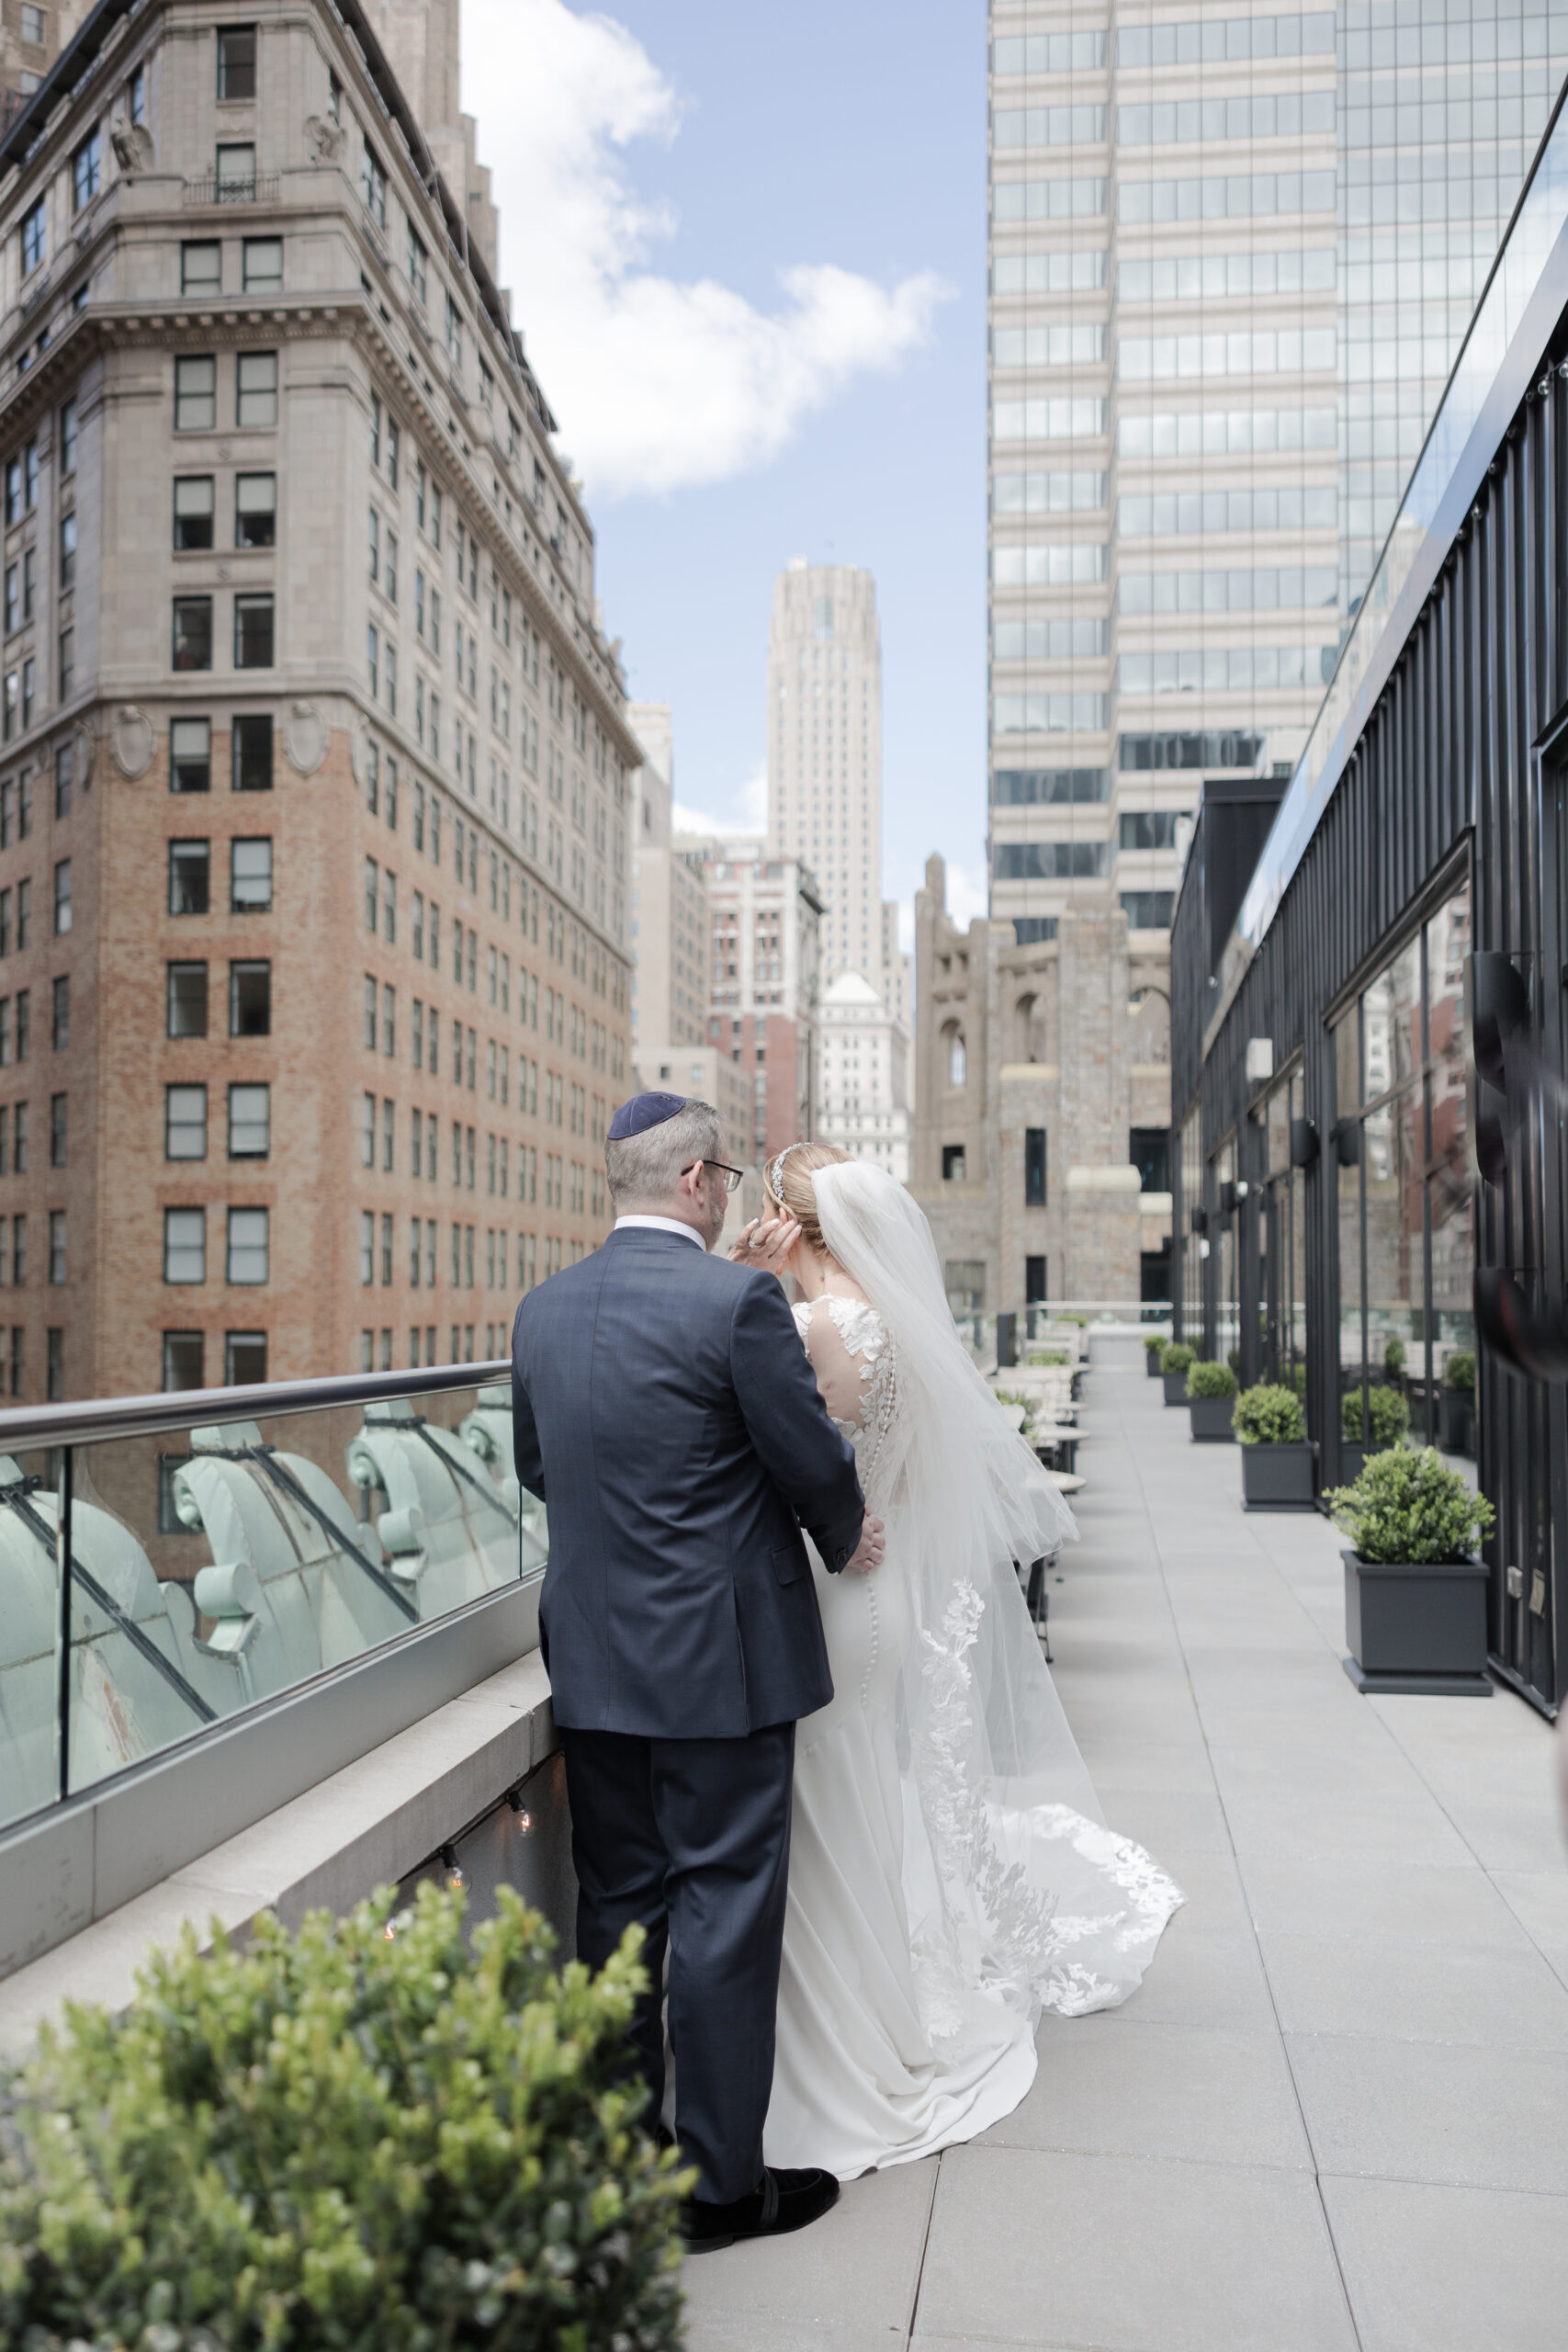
point(215, 1567)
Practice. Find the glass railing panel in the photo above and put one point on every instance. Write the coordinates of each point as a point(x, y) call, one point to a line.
point(29, 1633)
point(218, 1564)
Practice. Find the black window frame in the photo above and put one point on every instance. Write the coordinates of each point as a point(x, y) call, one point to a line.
point(180, 524)
point(190, 622)
point(182, 871)
point(179, 970)
point(236, 70)
point(241, 1024)
point(251, 741)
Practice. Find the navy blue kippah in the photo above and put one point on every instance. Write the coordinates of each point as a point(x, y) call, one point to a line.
point(644, 1111)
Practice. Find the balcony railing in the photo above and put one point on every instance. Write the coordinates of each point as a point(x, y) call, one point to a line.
point(169, 1564)
point(261, 188)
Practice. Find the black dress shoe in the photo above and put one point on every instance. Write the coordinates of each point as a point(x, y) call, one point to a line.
point(786, 2200)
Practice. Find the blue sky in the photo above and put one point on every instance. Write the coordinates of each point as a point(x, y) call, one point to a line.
point(676, 163)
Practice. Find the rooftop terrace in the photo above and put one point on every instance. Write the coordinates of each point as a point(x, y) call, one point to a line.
point(1334, 2116)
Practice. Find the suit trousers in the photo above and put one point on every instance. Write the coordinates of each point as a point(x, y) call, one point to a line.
point(690, 1838)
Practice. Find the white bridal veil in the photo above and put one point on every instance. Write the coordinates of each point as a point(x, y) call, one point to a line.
point(1014, 1885)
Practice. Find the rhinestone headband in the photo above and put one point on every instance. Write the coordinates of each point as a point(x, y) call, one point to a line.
point(775, 1180)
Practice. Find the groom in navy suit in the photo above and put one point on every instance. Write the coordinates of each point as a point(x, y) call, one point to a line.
point(664, 1410)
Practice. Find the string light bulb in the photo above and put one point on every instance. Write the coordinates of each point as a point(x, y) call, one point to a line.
point(453, 1867)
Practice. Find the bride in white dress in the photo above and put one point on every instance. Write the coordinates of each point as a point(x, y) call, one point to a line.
point(951, 1873)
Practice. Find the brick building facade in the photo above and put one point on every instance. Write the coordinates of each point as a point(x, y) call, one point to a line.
point(314, 958)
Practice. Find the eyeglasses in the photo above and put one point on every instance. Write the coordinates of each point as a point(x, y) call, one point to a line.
point(731, 1175)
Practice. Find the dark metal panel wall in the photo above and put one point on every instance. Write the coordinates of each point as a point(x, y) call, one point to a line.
point(1450, 756)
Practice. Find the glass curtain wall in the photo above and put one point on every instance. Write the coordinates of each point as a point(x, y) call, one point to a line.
point(1281, 1286)
point(1227, 1300)
point(1195, 1247)
point(1405, 1189)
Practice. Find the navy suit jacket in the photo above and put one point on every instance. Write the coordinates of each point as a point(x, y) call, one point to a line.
point(664, 1410)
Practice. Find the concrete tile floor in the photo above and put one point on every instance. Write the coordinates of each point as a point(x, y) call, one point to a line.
point(1336, 2114)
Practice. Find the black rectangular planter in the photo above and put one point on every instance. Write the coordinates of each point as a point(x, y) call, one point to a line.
point(1276, 1478)
point(1151, 1363)
point(1416, 1627)
point(1175, 1387)
point(1212, 1418)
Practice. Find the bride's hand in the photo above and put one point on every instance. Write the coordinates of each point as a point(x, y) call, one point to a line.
point(767, 1245)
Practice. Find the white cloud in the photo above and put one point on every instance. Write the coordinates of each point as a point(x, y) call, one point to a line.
point(658, 384)
point(965, 893)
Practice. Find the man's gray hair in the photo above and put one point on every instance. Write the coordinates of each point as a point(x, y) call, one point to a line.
point(645, 1171)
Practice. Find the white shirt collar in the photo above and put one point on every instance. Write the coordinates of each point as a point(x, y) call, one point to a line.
point(663, 1225)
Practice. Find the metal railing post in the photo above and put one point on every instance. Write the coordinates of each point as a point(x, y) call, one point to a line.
point(62, 1571)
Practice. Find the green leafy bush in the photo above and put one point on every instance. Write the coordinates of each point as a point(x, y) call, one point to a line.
point(1298, 1380)
point(344, 2138)
point(1459, 1373)
point(1268, 1415)
point(1388, 1411)
point(1211, 1380)
point(1233, 1358)
point(1410, 1507)
point(1154, 1343)
point(1175, 1357)
point(1037, 1356)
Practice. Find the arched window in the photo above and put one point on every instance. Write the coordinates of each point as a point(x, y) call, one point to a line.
point(957, 1059)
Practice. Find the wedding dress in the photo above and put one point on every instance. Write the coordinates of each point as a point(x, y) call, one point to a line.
point(951, 1874)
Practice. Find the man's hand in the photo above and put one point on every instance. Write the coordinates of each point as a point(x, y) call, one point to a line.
point(867, 1554)
point(767, 1245)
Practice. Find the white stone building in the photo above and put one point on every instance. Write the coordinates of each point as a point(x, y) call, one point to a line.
point(825, 762)
point(864, 1100)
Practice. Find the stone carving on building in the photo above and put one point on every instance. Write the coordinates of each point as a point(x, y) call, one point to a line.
point(132, 144)
point(305, 737)
point(328, 139)
point(133, 741)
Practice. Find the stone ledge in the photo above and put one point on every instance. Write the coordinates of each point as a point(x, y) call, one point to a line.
point(366, 1825)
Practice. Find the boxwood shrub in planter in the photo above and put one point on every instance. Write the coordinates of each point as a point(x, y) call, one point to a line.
point(1415, 1592)
point(1390, 1416)
point(387, 2141)
point(1277, 1461)
point(1458, 1403)
point(1211, 1399)
point(1175, 1362)
point(1152, 1349)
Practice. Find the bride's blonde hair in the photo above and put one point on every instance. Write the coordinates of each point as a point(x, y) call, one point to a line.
point(788, 1179)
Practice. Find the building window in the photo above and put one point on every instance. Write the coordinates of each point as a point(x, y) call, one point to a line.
point(33, 237)
point(237, 62)
point(185, 1122)
point(68, 438)
point(66, 656)
point(1147, 910)
point(190, 755)
point(250, 878)
point(255, 389)
point(60, 1010)
point(957, 1059)
point(87, 171)
point(373, 187)
point(193, 507)
point(67, 552)
point(64, 777)
point(249, 1122)
point(33, 28)
point(244, 1359)
point(453, 332)
point(417, 258)
point(250, 1000)
point(262, 265)
point(196, 395)
point(247, 1253)
point(255, 510)
point(954, 1164)
point(190, 869)
point(187, 1000)
point(253, 632)
point(136, 99)
point(249, 766)
point(184, 1244)
point(58, 1130)
point(29, 690)
point(193, 633)
point(201, 267)
point(1034, 1168)
point(62, 897)
point(184, 1361)
point(237, 175)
